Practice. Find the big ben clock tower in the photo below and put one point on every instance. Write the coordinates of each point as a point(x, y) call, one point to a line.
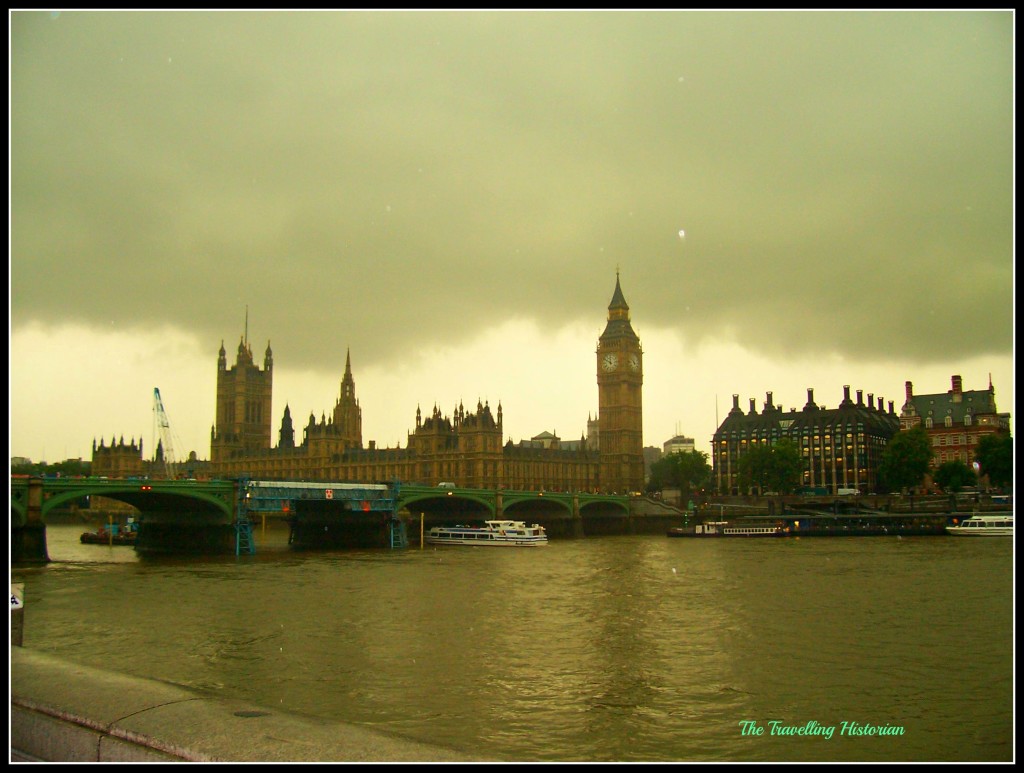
point(620, 377)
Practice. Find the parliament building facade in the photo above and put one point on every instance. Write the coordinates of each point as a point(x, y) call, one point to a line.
point(466, 448)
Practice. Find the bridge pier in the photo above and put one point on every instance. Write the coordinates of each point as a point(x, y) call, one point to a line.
point(28, 542)
point(577, 518)
point(169, 537)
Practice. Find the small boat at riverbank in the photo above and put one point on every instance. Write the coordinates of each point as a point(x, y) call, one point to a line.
point(492, 533)
point(106, 537)
point(114, 534)
point(1000, 525)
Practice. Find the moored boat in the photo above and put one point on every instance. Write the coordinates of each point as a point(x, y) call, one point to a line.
point(995, 525)
point(706, 529)
point(105, 537)
point(726, 529)
point(497, 533)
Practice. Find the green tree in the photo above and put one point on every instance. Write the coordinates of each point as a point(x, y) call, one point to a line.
point(688, 471)
point(906, 459)
point(663, 475)
point(67, 468)
point(694, 471)
point(753, 468)
point(995, 456)
point(954, 475)
point(785, 467)
point(771, 468)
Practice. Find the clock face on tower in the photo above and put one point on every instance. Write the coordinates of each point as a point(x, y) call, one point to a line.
point(634, 362)
point(609, 362)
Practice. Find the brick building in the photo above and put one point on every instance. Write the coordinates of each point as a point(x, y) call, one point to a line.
point(955, 420)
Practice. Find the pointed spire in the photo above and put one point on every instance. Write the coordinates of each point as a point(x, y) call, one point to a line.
point(618, 299)
point(348, 384)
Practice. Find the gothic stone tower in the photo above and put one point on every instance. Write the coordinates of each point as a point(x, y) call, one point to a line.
point(348, 416)
point(244, 395)
point(620, 377)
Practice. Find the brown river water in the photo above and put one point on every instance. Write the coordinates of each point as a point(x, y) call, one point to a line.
point(633, 648)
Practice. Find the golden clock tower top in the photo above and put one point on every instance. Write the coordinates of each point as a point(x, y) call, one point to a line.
point(618, 317)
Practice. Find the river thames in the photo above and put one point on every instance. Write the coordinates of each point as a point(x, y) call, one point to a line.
point(633, 648)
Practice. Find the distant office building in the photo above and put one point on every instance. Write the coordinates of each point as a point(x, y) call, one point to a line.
point(841, 447)
point(680, 444)
point(955, 420)
point(651, 455)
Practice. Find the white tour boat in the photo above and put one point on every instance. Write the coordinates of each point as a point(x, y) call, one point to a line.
point(984, 526)
point(507, 533)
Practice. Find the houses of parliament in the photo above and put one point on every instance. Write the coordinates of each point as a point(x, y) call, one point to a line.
point(466, 448)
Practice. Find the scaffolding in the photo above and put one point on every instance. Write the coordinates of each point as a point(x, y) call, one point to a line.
point(282, 496)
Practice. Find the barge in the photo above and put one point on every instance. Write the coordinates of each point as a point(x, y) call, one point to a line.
point(814, 525)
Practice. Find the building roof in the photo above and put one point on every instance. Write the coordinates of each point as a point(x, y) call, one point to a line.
point(957, 406)
point(956, 403)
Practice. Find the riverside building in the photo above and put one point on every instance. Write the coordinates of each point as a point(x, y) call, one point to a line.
point(841, 447)
point(955, 420)
point(466, 447)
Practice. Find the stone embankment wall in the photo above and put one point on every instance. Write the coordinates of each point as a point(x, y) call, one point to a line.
point(64, 712)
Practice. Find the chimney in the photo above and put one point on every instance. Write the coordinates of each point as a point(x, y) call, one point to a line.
point(881, 404)
point(860, 397)
point(910, 391)
point(753, 409)
point(892, 408)
point(768, 403)
point(871, 399)
point(958, 389)
point(810, 400)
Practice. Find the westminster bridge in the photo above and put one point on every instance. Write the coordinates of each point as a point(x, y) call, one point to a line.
point(214, 516)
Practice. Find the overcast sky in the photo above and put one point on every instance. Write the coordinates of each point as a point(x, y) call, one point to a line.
point(792, 201)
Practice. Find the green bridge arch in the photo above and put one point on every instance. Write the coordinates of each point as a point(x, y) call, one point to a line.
point(411, 495)
point(497, 501)
point(217, 497)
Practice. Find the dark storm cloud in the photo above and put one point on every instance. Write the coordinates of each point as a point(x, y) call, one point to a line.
point(382, 180)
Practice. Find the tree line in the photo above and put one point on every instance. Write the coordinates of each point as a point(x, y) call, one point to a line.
point(69, 468)
point(779, 468)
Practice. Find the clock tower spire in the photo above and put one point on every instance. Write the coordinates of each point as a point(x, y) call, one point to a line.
point(620, 380)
